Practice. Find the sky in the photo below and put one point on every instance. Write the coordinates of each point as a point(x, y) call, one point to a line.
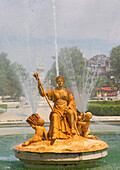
point(27, 28)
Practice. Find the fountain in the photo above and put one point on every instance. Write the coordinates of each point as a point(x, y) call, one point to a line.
point(68, 141)
point(34, 103)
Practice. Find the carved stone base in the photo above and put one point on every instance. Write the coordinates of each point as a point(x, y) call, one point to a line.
point(77, 151)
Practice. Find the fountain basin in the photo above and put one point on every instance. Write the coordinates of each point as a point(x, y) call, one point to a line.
point(77, 151)
point(53, 160)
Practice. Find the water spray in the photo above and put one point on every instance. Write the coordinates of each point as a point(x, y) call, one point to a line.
point(56, 46)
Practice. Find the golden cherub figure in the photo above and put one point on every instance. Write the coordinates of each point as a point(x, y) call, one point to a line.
point(85, 126)
point(37, 123)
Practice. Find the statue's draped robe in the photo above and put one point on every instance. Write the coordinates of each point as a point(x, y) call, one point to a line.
point(58, 122)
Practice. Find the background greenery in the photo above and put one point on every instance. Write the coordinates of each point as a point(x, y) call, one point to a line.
point(115, 64)
point(3, 106)
point(72, 64)
point(71, 61)
point(104, 108)
point(9, 81)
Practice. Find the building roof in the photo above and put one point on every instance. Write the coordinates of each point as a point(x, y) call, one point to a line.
point(101, 56)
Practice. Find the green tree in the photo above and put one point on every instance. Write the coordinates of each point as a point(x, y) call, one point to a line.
point(71, 66)
point(9, 82)
point(115, 63)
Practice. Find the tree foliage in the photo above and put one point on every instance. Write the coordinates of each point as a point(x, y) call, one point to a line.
point(71, 66)
point(115, 62)
point(9, 82)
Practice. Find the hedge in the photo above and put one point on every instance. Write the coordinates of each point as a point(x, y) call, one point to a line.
point(108, 102)
point(105, 108)
point(3, 106)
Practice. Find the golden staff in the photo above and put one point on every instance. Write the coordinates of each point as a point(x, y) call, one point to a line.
point(39, 82)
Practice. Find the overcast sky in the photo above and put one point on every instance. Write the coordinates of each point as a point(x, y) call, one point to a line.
point(27, 28)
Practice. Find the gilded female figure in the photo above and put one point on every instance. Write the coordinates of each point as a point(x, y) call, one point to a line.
point(63, 116)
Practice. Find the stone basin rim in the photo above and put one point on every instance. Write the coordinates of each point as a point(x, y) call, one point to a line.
point(59, 152)
point(61, 160)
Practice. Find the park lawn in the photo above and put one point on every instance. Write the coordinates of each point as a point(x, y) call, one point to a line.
point(2, 106)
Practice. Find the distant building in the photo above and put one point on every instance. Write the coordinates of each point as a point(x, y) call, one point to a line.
point(101, 62)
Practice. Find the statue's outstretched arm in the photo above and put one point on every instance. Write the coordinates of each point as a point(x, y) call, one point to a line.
point(41, 92)
point(41, 89)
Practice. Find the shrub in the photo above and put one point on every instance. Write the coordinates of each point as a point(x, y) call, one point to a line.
point(105, 108)
point(113, 102)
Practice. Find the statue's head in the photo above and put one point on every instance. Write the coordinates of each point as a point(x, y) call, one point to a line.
point(60, 78)
point(88, 115)
point(40, 122)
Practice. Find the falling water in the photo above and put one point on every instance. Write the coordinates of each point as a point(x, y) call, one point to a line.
point(88, 86)
point(71, 75)
point(29, 88)
point(27, 81)
point(55, 31)
point(82, 94)
point(27, 3)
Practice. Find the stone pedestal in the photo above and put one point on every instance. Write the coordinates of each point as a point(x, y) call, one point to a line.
point(77, 151)
point(55, 160)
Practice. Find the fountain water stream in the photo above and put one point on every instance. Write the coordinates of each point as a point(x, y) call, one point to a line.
point(81, 91)
point(55, 30)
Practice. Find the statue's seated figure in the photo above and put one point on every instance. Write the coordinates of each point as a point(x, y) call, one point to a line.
point(65, 120)
point(37, 123)
point(63, 116)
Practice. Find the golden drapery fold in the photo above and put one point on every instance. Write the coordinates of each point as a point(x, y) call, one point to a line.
point(59, 126)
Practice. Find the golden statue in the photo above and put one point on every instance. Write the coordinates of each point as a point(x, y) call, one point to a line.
point(63, 116)
point(37, 123)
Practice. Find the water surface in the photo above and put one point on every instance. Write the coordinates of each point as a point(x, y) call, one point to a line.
point(110, 162)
